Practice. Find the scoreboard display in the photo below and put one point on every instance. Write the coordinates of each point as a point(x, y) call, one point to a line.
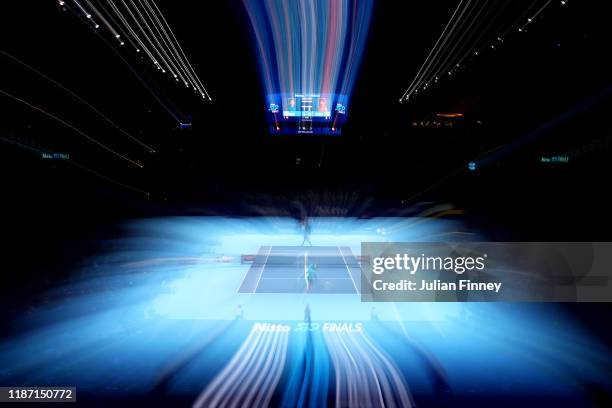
point(306, 113)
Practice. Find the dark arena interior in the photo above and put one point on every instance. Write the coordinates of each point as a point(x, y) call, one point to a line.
point(193, 194)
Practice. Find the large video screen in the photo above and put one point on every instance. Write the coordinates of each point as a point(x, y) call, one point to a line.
point(300, 113)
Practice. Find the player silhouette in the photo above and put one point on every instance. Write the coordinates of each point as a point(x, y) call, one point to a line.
point(306, 230)
point(309, 275)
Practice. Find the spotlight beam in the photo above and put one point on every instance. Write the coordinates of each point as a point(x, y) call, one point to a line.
point(68, 125)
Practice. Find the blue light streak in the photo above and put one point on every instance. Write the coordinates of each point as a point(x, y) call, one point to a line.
point(309, 53)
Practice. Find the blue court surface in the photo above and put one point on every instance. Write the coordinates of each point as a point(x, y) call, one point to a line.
point(283, 269)
point(185, 311)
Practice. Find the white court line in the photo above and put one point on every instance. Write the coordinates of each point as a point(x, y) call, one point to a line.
point(348, 270)
point(262, 268)
point(305, 267)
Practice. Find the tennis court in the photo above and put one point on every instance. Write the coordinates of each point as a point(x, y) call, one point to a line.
point(282, 269)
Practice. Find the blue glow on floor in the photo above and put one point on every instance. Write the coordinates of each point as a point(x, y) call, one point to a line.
point(158, 306)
